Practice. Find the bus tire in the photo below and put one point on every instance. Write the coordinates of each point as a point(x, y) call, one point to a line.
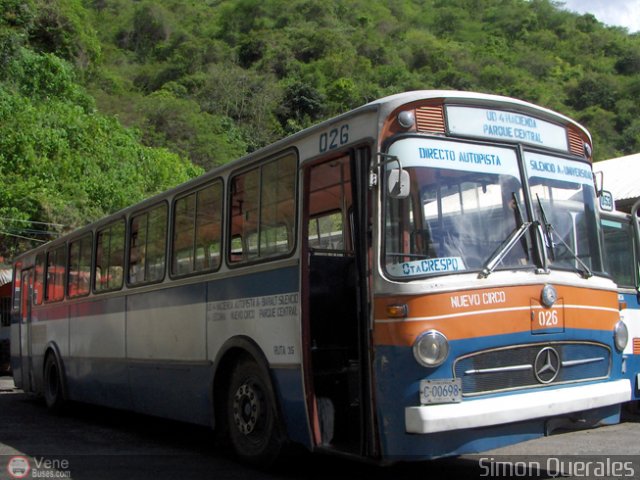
point(254, 425)
point(54, 392)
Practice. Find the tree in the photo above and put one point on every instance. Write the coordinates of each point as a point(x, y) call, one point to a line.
point(179, 124)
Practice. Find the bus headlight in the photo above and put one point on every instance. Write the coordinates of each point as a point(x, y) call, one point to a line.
point(431, 348)
point(620, 335)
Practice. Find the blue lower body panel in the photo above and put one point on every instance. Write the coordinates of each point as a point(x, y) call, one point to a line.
point(398, 377)
point(288, 385)
point(164, 389)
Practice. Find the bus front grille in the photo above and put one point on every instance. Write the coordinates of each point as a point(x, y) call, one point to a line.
point(532, 365)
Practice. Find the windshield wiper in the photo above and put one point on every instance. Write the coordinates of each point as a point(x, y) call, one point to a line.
point(520, 222)
point(505, 247)
point(498, 255)
point(548, 230)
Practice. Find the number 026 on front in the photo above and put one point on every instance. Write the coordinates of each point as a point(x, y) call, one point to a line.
point(447, 390)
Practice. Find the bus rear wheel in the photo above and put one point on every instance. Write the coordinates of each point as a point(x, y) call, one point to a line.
point(252, 415)
point(53, 385)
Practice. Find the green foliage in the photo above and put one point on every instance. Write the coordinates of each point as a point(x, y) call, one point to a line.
point(16, 17)
point(61, 161)
point(180, 123)
point(66, 166)
point(593, 90)
point(272, 67)
point(63, 28)
point(44, 76)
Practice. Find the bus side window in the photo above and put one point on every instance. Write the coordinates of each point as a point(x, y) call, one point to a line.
point(79, 266)
point(109, 257)
point(245, 199)
point(262, 211)
point(197, 230)
point(329, 208)
point(56, 266)
point(147, 245)
point(326, 232)
point(17, 280)
point(208, 237)
point(183, 235)
point(38, 284)
point(236, 251)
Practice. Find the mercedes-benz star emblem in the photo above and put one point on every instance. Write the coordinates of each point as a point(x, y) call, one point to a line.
point(549, 295)
point(547, 365)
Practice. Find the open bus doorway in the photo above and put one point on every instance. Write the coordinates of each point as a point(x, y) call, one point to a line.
point(24, 372)
point(336, 334)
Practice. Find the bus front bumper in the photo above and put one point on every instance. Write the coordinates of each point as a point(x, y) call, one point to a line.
point(514, 408)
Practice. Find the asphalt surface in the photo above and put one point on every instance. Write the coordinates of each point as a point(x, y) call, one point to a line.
point(92, 443)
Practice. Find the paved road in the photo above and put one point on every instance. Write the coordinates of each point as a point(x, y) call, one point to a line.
point(94, 443)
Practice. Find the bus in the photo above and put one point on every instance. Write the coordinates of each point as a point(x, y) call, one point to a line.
point(419, 277)
point(622, 243)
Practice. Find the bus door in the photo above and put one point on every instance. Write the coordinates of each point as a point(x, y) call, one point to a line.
point(26, 297)
point(335, 315)
point(634, 303)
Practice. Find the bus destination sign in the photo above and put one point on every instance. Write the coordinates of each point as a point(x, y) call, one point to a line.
point(502, 125)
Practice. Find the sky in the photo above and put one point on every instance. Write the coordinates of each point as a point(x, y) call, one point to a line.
point(620, 13)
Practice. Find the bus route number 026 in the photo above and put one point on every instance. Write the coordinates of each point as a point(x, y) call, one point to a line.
point(548, 318)
point(334, 138)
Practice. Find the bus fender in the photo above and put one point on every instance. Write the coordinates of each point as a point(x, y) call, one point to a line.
point(226, 358)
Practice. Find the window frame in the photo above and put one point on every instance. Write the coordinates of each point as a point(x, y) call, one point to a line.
point(317, 218)
point(40, 260)
point(231, 236)
point(62, 247)
point(172, 229)
point(606, 247)
point(128, 247)
point(125, 256)
point(70, 243)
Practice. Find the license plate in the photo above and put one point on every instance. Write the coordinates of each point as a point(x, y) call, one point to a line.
point(447, 390)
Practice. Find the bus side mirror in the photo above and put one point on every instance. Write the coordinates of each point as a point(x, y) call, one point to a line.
point(398, 183)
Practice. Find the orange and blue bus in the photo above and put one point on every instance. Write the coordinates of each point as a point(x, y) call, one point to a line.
point(621, 244)
point(419, 277)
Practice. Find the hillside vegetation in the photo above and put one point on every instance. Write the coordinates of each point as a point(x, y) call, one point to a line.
point(104, 102)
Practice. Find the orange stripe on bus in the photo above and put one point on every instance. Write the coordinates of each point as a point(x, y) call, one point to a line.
point(485, 312)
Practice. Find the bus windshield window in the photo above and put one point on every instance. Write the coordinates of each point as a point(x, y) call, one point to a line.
point(564, 199)
point(618, 248)
point(465, 200)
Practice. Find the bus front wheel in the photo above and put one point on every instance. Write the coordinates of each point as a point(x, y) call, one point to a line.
point(53, 384)
point(252, 415)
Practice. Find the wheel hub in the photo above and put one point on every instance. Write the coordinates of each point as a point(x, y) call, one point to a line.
point(246, 408)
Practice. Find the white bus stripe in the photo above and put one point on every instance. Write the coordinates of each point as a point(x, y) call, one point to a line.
point(483, 312)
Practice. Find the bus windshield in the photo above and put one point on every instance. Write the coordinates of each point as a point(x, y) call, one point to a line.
point(564, 199)
point(465, 200)
point(619, 250)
